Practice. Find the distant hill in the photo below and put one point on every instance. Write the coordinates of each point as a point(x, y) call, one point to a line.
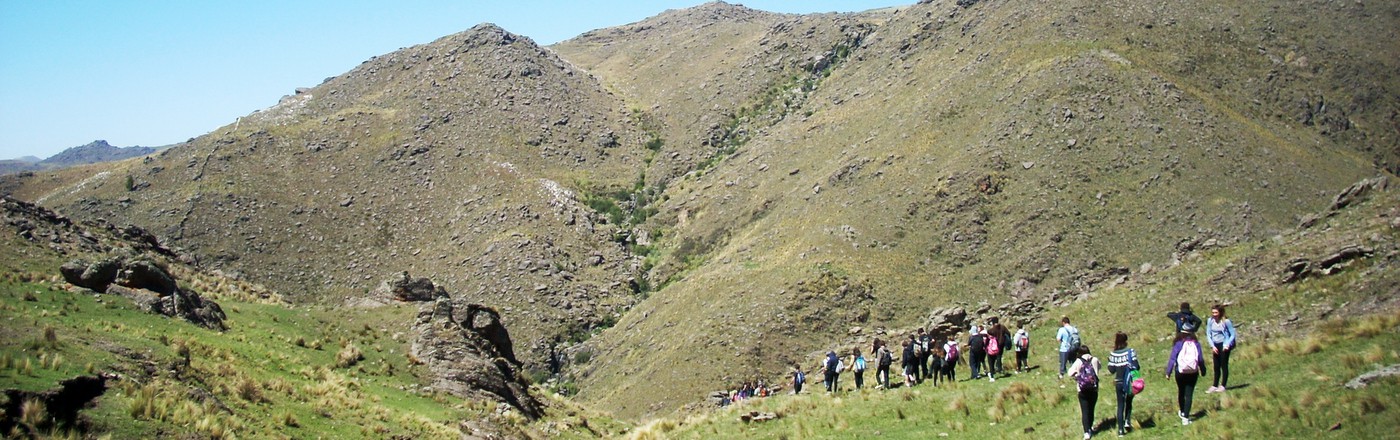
point(93, 152)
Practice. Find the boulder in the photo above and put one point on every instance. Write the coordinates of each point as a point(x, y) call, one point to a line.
point(472, 358)
point(946, 322)
point(408, 289)
point(148, 285)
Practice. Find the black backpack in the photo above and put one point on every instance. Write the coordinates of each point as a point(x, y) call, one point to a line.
point(885, 359)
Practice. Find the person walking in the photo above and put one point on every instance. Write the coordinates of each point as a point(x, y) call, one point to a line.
point(1121, 362)
point(1022, 344)
point(1221, 334)
point(977, 350)
point(1185, 362)
point(908, 361)
point(798, 378)
point(951, 355)
point(1085, 372)
point(883, 358)
point(1068, 336)
point(998, 341)
point(832, 366)
point(858, 367)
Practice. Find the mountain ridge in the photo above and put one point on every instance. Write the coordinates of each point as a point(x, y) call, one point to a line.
point(716, 192)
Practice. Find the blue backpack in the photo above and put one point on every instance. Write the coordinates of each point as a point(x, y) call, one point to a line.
point(860, 364)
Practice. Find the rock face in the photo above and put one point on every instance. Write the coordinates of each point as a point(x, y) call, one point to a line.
point(471, 357)
point(148, 285)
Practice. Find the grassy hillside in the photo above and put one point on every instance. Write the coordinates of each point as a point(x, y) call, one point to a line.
point(1299, 343)
point(708, 195)
point(980, 156)
point(472, 160)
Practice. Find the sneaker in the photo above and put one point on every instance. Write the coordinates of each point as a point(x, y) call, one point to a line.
point(1087, 435)
point(1121, 432)
point(1185, 421)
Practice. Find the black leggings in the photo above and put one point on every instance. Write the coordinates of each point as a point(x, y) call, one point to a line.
point(1088, 397)
point(1221, 368)
point(1185, 388)
point(1125, 405)
point(860, 379)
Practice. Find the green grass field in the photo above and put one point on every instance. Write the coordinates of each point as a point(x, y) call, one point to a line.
point(1289, 388)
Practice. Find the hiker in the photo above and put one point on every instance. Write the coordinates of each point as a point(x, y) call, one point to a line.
point(951, 355)
point(1068, 336)
point(798, 378)
point(1122, 362)
point(883, 358)
point(1022, 344)
point(832, 366)
point(1184, 316)
point(908, 360)
point(997, 342)
point(1221, 334)
point(977, 347)
point(1086, 378)
point(924, 354)
point(936, 355)
point(1185, 361)
point(858, 367)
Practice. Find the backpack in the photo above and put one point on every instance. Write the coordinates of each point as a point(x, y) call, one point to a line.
point(953, 353)
point(833, 363)
point(1136, 382)
point(1023, 342)
point(1187, 359)
point(919, 349)
point(885, 358)
point(860, 364)
point(1073, 339)
point(993, 346)
point(1087, 377)
point(800, 378)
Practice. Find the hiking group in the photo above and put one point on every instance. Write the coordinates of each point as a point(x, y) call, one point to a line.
point(1185, 362)
point(923, 356)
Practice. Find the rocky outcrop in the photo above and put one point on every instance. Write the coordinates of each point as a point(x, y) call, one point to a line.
point(148, 285)
point(406, 288)
point(471, 357)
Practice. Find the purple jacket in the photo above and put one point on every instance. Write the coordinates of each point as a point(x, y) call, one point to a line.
point(1176, 349)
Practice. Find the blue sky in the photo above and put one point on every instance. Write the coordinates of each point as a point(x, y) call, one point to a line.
point(153, 73)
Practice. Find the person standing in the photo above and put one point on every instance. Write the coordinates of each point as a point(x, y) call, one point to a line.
point(832, 366)
point(1085, 372)
point(977, 350)
point(1068, 336)
point(1022, 344)
point(951, 355)
point(925, 352)
point(1185, 362)
point(1121, 362)
point(1221, 334)
point(858, 367)
point(1185, 316)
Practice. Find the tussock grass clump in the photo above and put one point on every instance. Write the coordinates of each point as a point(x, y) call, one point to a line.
point(348, 356)
point(959, 405)
point(33, 413)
